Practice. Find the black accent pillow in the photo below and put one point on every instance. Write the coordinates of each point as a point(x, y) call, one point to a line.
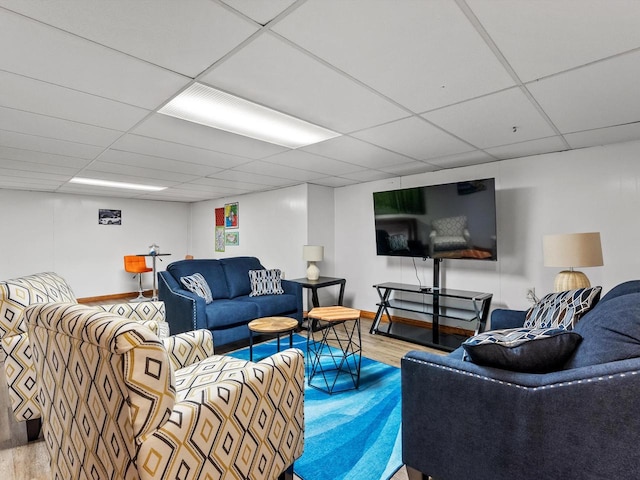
point(538, 350)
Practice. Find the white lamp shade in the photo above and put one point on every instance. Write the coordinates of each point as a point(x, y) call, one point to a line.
point(572, 250)
point(313, 253)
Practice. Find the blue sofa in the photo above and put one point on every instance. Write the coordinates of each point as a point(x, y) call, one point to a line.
point(232, 308)
point(461, 420)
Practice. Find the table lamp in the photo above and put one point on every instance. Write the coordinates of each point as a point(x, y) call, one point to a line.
point(572, 250)
point(312, 254)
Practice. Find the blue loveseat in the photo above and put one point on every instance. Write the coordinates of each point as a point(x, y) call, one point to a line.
point(461, 420)
point(232, 308)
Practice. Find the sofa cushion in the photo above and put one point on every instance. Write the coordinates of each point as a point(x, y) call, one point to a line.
point(226, 313)
point(197, 284)
point(210, 269)
point(236, 271)
point(609, 333)
point(271, 305)
point(625, 288)
point(562, 309)
point(522, 349)
point(265, 282)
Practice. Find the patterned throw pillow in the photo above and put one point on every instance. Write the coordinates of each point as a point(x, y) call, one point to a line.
point(538, 350)
point(562, 309)
point(265, 282)
point(197, 284)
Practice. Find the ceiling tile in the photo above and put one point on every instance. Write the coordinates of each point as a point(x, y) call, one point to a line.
point(133, 171)
point(604, 136)
point(48, 145)
point(334, 182)
point(42, 158)
point(61, 171)
point(314, 163)
point(410, 168)
point(282, 171)
point(592, 97)
point(154, 147)
point(300, 86)
point(543, 37)
point(368, 175)
point(352, 150)
point(158, 163)
point(261, 12)
point(255, 178)
point(422, 54)
point(524, 149)
point(415, 138)
point(187, 133)
point(462, 159)
point(233, 184)
point(186, 37)
point(489, 121)
point(43, 126)
point(30, 95)
point(42, 52)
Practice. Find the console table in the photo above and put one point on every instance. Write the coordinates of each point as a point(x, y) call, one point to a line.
point(434, 304)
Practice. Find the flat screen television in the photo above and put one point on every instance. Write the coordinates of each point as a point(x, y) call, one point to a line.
point(451, 220)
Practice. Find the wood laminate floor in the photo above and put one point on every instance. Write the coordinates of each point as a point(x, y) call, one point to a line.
point(20, 460)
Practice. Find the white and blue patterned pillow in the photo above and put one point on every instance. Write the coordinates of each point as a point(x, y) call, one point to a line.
point(562, 309)
point(265, 282)
point(537, 350)
point(197, 284)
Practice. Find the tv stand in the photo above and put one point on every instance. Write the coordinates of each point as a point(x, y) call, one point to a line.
point(434, 305)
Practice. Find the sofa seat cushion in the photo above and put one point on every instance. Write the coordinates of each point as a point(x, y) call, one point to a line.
point(522, 349)
point(210, 269)
point(236, 270)
point(271, 305)
point(609, 334)
point(226, 313)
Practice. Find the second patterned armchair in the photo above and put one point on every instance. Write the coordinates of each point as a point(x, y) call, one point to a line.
point(18, 293)
point(116, 404)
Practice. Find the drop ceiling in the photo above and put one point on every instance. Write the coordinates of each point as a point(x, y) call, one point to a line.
point(412, 86)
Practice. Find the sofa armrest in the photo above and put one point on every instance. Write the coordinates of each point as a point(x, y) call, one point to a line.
point(294, 288)
point(187, 348)
point(185, 311)
point(271, 391)
point(508, 422)
point(151, 314)
point(502, 318)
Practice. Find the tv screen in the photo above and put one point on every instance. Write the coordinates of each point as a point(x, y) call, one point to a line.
point(451, 220)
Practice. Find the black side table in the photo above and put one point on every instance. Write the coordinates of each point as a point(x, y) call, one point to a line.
point(321, 282)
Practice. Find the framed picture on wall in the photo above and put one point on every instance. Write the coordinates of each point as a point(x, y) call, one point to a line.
point(231, 219)
point(109, 217)
point(232, 238)
point(220, 238)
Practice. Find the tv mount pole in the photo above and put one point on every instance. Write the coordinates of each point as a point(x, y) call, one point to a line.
point(436, 300)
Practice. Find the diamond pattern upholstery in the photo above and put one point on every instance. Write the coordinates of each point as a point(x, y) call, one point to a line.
point(113, 406)
point(18, 293)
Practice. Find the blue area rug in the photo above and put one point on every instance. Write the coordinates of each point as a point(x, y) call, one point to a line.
point(351, 435)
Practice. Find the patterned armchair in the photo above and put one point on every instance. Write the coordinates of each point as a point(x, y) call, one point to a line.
point(449, 233)
point(115, 406)
point(18, 293)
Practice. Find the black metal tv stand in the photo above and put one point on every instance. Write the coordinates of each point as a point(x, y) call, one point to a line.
point(435, 303)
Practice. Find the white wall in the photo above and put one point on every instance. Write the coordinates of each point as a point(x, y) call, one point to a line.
point(60, 233)
point(595, 189)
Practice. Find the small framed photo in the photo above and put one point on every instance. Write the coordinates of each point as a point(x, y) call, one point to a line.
point(109, 217)
point(232, 238)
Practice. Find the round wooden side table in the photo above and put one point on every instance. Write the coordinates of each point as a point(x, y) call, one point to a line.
point(271, 325)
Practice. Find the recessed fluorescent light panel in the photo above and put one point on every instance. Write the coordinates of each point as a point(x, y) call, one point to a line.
point(106, 183)
point(213, 108)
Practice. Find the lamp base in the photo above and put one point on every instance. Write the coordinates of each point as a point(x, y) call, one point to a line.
point(570, 280)
point(313, 272)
